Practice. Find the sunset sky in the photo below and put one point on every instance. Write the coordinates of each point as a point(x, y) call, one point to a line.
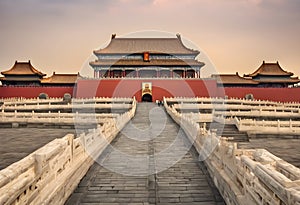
point(237, 35)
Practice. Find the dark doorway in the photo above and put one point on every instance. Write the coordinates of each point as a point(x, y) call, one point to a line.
point(147, 98)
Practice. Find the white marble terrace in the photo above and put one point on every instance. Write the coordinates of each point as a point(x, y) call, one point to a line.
point(243, 176)
point(254, 117)
point(50, 174)
point(49, 111)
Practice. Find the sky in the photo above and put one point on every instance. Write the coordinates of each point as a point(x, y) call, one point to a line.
point(236, 35)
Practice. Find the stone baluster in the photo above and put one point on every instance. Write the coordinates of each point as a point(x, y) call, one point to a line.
point(3, 114)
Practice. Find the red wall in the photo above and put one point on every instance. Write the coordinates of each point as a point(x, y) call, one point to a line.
point(133, 87)
point(33, 92)
point(272, 94)
point(160, 88)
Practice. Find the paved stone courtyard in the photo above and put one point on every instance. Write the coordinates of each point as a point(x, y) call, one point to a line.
point(17, 143)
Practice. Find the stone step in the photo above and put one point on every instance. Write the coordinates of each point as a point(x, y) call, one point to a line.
point(229, 131)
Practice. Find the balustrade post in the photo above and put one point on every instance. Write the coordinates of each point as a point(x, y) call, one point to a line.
point(59, 116)
point(260, 110)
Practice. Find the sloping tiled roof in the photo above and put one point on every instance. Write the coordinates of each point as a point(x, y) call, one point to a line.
point(23, 68)
point(236, 79)
point(233, 79)
point(18, 79)
point(61, 79)
point(140, 45)
point(154, 62)
point(268, 69)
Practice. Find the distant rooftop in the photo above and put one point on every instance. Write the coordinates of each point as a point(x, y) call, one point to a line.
point(23, 68)
point(233, 79)
point(270, 69)
point(61, 79)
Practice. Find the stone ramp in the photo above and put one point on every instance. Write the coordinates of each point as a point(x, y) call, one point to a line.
point(228, 130)
point(150, 162)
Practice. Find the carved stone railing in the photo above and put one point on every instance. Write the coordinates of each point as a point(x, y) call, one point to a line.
point(238, 101)
point(253, 126)
point(33, 101)
point(285, 116)
point(50, 174)
point(66, 106)
point(199, 117)
point(243, 176)
point(21, 100)
point(241, 109)
point(53, 117)
point(28, 112)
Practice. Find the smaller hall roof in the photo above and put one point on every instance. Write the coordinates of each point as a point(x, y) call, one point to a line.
point(233, 79)
point(270, 69)
point(23, 68)
point(151, 45)
point(61, 79)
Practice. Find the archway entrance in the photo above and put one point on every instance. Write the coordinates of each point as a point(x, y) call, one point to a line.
point(147, 98)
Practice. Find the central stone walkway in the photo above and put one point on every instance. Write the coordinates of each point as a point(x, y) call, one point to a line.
point(150, 162)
